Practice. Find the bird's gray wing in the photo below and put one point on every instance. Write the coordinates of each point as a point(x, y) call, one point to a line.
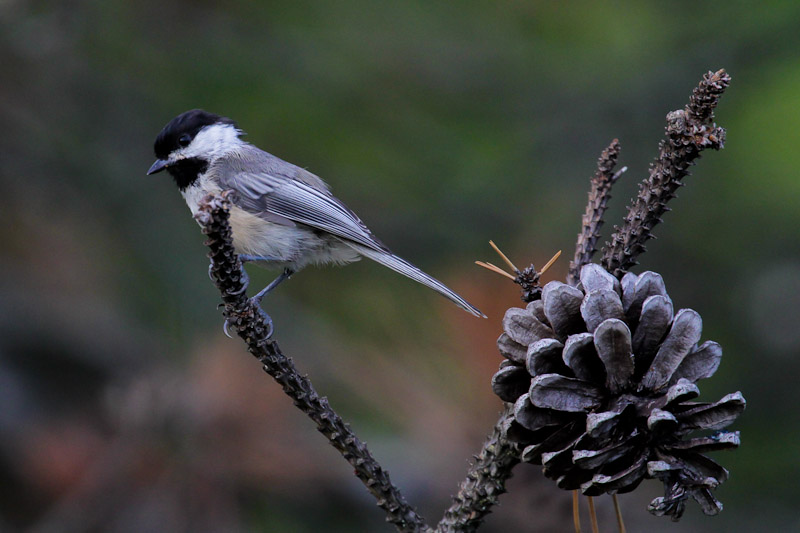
point(270, 194)
point(281, 192)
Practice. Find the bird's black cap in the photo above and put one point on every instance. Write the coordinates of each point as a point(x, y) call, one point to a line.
point(189, 123)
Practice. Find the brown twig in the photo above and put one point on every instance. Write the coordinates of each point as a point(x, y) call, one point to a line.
point(527, 278)
point(550, 263)
point(495, 269)
point(599, 195)
point(689, 131)
point(485, 481)
point(593, 515)
point(576, 511)
point(618, 512)
point(503, 256)
point(248, 320)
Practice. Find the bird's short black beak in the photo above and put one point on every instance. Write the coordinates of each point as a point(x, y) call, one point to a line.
point(158, 166)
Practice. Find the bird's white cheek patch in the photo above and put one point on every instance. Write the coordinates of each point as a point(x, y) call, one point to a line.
point(214, 141)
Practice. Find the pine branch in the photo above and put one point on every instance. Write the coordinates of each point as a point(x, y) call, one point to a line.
point(248, 320)
point(485, 481)
point(599, 194)
point(689, 131)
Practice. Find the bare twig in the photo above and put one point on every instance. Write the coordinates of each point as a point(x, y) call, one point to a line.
point(689, 131)
point(503, 256)
point(485, 481)
point(599, 194)
point(550, 263)
point(576, 511)
point(495, 269)
point(527, 278)
point(593, 515)
point(618, 512)
point(248, 320)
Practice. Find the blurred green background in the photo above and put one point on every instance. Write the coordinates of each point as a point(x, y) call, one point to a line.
point(124, 408)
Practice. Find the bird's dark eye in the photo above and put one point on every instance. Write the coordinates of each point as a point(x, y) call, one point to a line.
point(184, 140)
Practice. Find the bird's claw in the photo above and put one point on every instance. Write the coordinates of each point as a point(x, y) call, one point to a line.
point(268, 323)
point(245, 280)
point(256, 301)
point(225, 328)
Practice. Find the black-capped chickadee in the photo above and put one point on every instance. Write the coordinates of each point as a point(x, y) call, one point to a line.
point(283, 216)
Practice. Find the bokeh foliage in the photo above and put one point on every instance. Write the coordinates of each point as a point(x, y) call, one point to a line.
point(443, 125)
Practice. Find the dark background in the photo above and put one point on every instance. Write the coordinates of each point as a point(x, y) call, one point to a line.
point(123, 407)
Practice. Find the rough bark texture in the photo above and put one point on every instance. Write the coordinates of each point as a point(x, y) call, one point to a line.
point(689, 131)
point(599, 195)
point(485, 481)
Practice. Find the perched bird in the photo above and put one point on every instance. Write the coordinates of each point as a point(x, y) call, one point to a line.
point(283, 216)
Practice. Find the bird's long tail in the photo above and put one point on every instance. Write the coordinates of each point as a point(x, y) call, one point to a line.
point(405, 268)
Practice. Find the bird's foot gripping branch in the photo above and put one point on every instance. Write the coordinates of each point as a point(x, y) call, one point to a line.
point(227, 272)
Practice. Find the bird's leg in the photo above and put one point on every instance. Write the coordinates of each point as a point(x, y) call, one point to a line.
point(286, 274)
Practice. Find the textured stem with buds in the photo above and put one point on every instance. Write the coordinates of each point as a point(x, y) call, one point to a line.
point(689, 131)
point(485, 481)
point(599, 195)
point(249, 322)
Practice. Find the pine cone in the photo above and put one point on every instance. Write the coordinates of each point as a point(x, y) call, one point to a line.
point(602, 376)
